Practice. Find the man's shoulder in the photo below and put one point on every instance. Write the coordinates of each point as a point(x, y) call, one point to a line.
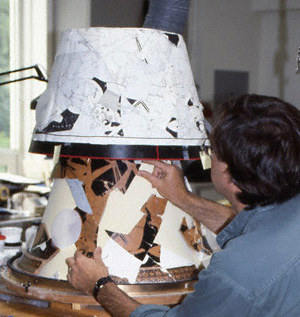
point(267, 287)
point(259, 264)
point(266, 251)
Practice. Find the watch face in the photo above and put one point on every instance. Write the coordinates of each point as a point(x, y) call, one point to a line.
point(99, 284)
point(102, 281)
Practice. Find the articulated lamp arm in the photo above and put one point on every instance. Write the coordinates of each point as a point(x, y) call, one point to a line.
point(40, 75)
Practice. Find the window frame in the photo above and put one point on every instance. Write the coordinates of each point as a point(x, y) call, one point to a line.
point(28, 46)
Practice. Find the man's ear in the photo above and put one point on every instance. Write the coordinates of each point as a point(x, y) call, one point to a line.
point(224, 169)
point(233, 183)
point(232, 189)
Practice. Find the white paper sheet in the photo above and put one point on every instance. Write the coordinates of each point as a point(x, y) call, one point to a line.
point(120, 262)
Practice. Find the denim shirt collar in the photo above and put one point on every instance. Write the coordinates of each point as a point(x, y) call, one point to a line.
point(237, 225)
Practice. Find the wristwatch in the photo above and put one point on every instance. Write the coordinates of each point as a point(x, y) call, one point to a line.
point(99, 284)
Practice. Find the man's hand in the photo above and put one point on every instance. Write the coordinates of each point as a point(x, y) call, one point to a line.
point(168, 180)
point(84, 272)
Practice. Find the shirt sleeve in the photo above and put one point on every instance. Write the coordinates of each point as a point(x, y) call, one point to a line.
point(214, 295)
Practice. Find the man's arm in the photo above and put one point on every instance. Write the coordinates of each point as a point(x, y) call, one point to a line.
point(169, 182)
point(85, 272)
point(215, 294)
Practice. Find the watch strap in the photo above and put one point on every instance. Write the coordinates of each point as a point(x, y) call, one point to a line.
point(100, 283)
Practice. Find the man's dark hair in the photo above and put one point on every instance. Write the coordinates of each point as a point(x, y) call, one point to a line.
point(258, 137)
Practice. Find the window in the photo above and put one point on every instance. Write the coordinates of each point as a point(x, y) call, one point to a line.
point(24, 42)
point(4, 62)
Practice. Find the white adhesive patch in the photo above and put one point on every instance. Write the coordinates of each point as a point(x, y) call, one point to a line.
point(66, 228)
point(120, 262)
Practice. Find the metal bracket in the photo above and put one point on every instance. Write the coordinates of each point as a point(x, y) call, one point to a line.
point(26, 286)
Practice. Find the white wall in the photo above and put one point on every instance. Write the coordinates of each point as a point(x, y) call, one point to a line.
point(63, 15)
point(278, 50)
point(223, 35)
point(114, 13)
point(244, 35)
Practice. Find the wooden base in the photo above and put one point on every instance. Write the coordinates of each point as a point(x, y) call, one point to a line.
point(63, 292)
point(12, 304)
point(47, 297)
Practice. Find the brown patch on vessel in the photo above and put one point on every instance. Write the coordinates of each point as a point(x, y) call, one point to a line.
point(193, 235)
point(140, 240)
point(41, 252)
point(99, 178)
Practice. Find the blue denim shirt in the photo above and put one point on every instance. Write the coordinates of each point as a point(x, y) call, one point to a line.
point(256, 273)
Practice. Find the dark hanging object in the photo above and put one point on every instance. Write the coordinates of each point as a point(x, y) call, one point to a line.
point(167, 15)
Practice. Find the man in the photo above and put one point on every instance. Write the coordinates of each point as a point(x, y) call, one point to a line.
point(256, 166)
